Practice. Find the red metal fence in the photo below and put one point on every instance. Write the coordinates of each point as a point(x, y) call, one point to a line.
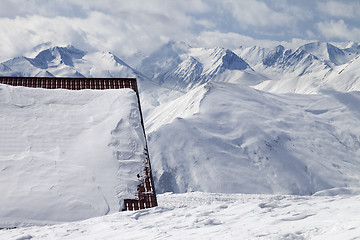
point(71, 83)
point(146, 196)
point(146, 192)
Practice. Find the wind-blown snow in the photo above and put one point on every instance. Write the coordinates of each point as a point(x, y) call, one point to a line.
point(67, 155)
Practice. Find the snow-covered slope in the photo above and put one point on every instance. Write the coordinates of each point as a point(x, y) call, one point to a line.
point(298, 62)
point(67, 155)
point(221, 137)
point(179, 66)
point(68, 62)
point(201, 215)
point(332, 54)
point(252, 55)
point(343, 78)
point(304, 70)
point(346, 77)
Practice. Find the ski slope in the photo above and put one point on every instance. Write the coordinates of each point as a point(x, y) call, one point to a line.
point(67, 155)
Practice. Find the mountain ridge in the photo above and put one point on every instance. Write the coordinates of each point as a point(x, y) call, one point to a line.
point(178, 66)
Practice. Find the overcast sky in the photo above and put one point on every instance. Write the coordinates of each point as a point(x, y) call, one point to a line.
point(124, 27)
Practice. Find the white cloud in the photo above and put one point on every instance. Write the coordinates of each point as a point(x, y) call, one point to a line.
point(124, 34)
point(13, 8)
point(120, 26)
point(234, 40)
point(124, 27)
point(230, 40)
point(257, 13)
point(338, 30)
point(348, 9)
point(227, 40)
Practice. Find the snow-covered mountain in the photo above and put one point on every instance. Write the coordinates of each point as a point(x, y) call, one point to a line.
point(236, 121)
point(280, 64)
point(68, 62)
point(307, 69)
point(331, 54)
point(179, 66)
point(222, 138)
point(252, 55)
point(299, 62)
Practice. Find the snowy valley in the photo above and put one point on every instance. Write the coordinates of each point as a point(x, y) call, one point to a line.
point(244, 143)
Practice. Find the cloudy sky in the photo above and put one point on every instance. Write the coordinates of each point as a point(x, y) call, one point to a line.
point(125, 27)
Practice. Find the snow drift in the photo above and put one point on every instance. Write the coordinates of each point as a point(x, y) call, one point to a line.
point(67, 155)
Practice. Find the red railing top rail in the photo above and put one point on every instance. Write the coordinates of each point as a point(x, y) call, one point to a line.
point(71, 83)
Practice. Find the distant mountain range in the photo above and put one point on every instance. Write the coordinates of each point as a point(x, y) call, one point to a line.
point(68, 62)
point(176, 65)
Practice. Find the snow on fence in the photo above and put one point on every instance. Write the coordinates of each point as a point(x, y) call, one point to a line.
point(71, 83)
point(146, 195)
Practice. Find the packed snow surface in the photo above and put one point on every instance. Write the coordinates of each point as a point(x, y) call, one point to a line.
point(67, 155)
point(201, 215)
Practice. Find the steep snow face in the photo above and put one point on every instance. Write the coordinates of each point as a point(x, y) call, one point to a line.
point(252, 55)
point(57, 61)
point(164, 59)
point(276, 56)
point(296, 63)
point(353, 47)
point(187, 73)
point(53, 57)
point(103, 64)
point(20, 66)
point(217, 61)
point(224, 138)
point(331, 54)
point(346, 77)
point(179, 66)
point(67, 155)
point(4, 68)
point(308, 69)
point(68, 62)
